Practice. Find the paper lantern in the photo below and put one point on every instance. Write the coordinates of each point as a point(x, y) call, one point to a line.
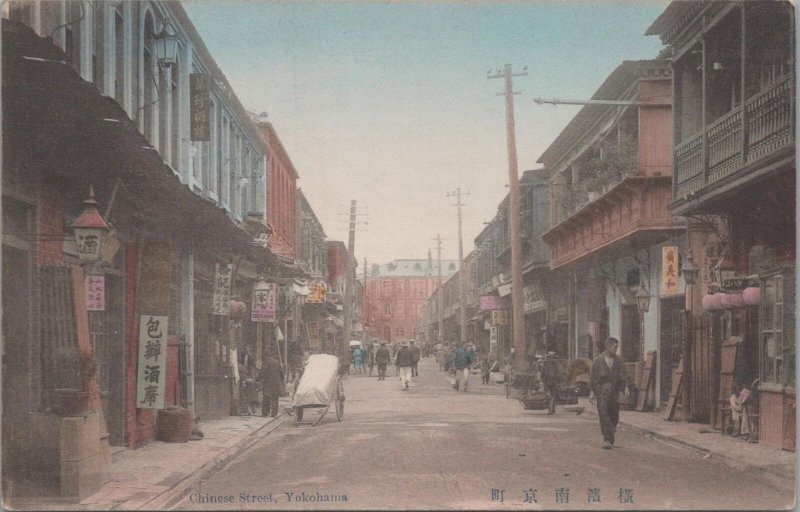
point(707, 300)
point(725, 301)
point(736, 300)
point(237, 309)
point(716, 300)
point(752, 296)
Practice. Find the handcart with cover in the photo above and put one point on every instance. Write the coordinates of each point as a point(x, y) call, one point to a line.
point(320, 386)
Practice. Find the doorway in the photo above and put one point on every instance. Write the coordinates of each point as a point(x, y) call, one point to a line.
point(629, 334)
point(669, 352)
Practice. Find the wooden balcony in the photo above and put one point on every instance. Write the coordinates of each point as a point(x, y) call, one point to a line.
point(637, 207)
point(737, 141)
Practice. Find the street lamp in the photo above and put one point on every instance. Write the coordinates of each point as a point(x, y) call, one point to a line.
point(166, 44)
point(689, 270)
point(90, 230)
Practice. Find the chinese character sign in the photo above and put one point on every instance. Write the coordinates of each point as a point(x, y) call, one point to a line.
point(151, 374)
point(317, 295)
point(265, 298)
point(669, 270)
point(199, 116)
point(222, 290)
point(95, 293)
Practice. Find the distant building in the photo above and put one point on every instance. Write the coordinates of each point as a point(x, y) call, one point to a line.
point(396, 293)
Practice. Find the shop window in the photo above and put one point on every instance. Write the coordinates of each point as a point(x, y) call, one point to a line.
point(775, 367)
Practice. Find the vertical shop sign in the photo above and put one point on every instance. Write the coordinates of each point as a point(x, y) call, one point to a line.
point(669, 270)
point(264, 303)
point(95, 293)
point(199, 115)
point(222, 290)
point(151, 374)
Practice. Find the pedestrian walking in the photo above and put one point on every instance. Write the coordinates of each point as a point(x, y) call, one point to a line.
point(358, 360)
point(405, 362)
point(271, 385)
point(415, 357)
point(462, 360)
point(485, 367)
point(382, 358)
point(608, 379)
point(371, 358)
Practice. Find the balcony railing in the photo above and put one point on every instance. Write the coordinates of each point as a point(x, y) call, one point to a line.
point(769, 123)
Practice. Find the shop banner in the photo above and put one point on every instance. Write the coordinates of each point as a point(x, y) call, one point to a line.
point(199, 103)
point(222, 290)
point(95, 293)
point(264, 303)
point(318, 292)
point(152, 370)
point(492, 302)
point(669, 270)
point(533, 298)
point(500, 317)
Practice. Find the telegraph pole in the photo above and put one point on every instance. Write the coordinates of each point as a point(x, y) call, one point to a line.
point(461, 289)
point(348, 282)
point(441, 292)
point(517, 309)
point(364, 308)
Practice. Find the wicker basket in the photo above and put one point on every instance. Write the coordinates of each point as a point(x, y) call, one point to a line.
point(175, 424)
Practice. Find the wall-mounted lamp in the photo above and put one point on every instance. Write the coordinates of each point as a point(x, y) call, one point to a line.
point(642, 299)
point(90, 230)
point(167, 44)
point(689, 270)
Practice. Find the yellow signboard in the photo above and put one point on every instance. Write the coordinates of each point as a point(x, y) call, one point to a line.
point(317, 295)
point(669, 270)
point(500, 317)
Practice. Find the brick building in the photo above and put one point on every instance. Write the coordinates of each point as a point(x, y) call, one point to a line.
point(396, 293)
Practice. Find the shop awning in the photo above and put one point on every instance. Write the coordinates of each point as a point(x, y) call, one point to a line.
point(59, 130)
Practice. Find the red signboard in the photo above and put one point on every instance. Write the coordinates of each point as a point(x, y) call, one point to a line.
point(492, 302)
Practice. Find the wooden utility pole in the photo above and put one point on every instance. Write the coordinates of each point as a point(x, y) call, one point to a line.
point(348, 282)
point(364, 309)
point(462, 299)
point(517, 310)
point(440, 292)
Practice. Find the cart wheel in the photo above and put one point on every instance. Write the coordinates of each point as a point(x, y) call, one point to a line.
point(339, 400)
point(298, 414)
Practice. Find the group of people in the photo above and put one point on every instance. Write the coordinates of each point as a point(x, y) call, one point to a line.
point(457, 361)
point(261, 386)
point(406, 356)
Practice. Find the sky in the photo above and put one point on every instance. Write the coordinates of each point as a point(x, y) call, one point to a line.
point(389, 104)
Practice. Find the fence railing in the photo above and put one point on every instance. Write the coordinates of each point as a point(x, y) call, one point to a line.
point(768, 121)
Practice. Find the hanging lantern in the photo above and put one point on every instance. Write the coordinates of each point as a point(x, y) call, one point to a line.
point(752, 296)
point(736, 300)
point(167, 45)
point(89, 230)
point(708, 301)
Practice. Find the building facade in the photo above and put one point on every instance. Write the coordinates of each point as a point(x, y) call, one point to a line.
point(396, 294)
point(734, 179)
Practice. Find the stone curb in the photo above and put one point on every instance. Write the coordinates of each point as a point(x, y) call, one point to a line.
point(175, 494)
point(665, 438)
